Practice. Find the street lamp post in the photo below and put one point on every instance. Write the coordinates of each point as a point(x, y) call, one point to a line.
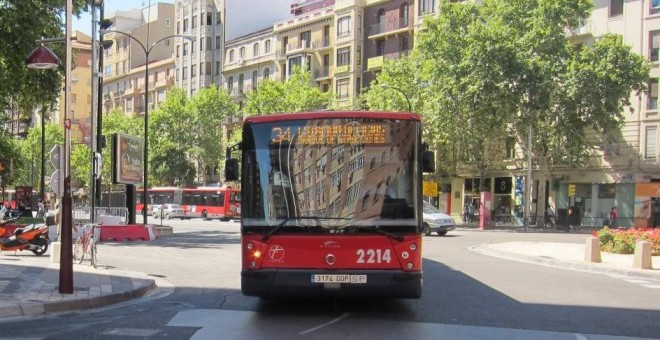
point(387, 86)
point(43, 58)
point(146, 106)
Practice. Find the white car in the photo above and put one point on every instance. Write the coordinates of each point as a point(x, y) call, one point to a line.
point(170, 211)
point(436, 221)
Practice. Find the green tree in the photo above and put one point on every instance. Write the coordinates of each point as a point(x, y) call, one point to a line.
point(296, 94)
point(503, 67)
point(21, 23)
point(170, 138)
point(208, 110)
point(30, 153)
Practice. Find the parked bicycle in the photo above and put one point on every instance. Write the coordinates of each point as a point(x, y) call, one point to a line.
point(86, 245)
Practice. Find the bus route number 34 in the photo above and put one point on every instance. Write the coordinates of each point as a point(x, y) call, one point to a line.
point(374, 256)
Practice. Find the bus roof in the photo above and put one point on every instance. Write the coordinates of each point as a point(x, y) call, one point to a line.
point(332, 114)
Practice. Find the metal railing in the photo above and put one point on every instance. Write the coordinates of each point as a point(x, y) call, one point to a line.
point(82, 215)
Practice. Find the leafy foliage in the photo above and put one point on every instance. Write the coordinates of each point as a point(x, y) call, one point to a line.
point(296, 94)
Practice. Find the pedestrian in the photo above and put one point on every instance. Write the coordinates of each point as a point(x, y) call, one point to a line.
point(40, 213)
point(613, 217)
point(472, 210)
point(550, 216)
point(465, 214)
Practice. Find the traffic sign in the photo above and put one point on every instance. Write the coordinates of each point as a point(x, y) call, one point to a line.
point(56, 156)
point(430, 189)
point(571, 190)
point(55, 182)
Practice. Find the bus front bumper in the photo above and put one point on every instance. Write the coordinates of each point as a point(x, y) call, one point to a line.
point(298, 283)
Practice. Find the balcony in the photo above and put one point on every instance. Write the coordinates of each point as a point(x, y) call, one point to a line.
point(654, 54)
point(390, 26)
point(301, 46)
point(322, 73)
point(342, 69)
point(583, 28)
point(321, 44)
point(377, 62)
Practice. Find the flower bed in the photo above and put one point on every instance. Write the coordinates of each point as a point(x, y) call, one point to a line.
point(622, 240)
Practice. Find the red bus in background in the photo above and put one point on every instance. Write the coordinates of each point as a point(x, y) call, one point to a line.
point(205, 202)
point(335, 204)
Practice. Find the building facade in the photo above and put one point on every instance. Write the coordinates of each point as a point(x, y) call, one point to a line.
point(125, 61)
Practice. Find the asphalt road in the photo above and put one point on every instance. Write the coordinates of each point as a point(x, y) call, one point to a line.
point(466, 295)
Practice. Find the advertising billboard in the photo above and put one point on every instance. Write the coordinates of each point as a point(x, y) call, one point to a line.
point(127, 159)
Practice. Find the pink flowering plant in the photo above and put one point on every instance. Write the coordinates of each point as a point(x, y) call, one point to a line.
point(622, 240)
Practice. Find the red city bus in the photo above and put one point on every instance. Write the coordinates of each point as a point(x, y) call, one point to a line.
point(335, 204)
point(206, 202)
point(212, 202)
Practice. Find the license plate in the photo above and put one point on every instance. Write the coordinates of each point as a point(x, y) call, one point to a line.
point(339, 278)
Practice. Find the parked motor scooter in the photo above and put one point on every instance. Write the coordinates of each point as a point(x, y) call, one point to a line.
point(33, 238)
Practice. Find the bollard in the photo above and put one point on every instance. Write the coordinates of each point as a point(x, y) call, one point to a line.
point(55, 252)
point(592, 250)
point(642, 258)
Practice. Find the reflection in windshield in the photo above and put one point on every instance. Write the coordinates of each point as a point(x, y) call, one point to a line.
point(336, 171)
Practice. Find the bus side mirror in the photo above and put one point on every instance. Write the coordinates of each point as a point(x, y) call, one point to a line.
point(428, 161)
point(231, 169)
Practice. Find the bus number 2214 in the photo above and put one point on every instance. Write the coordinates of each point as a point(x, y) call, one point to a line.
point(374, 256)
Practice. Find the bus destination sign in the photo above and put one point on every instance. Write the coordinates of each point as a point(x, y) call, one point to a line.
point(330, 134)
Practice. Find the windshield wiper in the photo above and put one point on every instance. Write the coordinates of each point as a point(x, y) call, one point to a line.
point(376, 229)
point(272, 231)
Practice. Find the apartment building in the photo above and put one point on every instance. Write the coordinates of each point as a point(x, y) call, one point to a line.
point(125, 61)
point(247, 61)
point(389, 33)
point(212, 22)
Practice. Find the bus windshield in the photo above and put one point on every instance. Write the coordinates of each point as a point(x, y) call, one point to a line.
point(332, 175)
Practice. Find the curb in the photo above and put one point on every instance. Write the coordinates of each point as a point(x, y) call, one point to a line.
point(549, 262)
point(39, 308)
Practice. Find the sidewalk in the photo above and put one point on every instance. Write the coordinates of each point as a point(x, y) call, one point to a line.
point(568, 256)
point(29, 285)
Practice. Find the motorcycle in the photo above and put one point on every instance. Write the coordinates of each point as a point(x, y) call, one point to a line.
point(33, 238)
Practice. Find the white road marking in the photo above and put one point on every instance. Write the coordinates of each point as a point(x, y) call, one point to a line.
point(227, 324)
point(345, 315)
point(637, 281)
point(652, 286)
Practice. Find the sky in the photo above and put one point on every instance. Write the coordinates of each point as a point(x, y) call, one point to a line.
point(84, 23)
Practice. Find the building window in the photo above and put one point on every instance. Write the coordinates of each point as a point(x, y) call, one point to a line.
point(652, 102)
point(380, 47)
point(655, 45)
point(403, 15)
point(510, 148)
point(193, 70)
point(167, 22)
point(426, 7)
point(178, 28)
point(255, 49)
point(209, 44)
point(344, 26)
point(194, 22)
point(616, 8)
point(266, 73)
point(651, 138)
point(305, 39)
point(655, 7)
point(230, 84)
point(231, 56)
point(108, 70)
point(185, 25)
point(240, 83)
point(342, 88)
point(209, 19)
point(217, 68)
point(255, 79)
point(185, 49)
point(241, 53)
point(185, 72)
point(343, 56)
point(217, 42)
point(267, 47)
point(358, 55)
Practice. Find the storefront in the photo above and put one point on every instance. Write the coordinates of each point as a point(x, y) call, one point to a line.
point(593, 202)
point(647, 205)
